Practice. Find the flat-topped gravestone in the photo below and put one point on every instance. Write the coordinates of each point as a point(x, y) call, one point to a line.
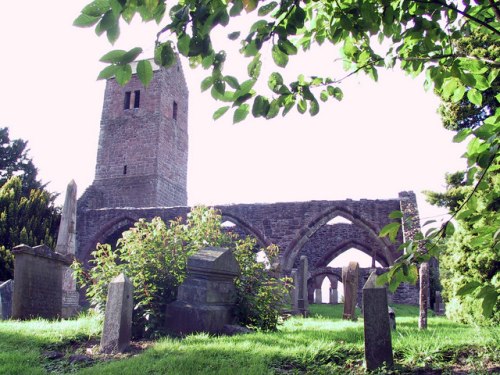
point(302, 275)
point(117, 329)
point(38, 276)
point(6, 292)
point(206, 299)
point(350, 276)
point(378, 341)
point(66, 244)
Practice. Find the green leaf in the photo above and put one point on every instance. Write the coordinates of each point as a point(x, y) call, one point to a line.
point(96, 8)
point(324, 96)
point(287, 47)
point(260, 106)
point(145, 72)
point(254, 67)
point(84, 20)
point(183, 44)
point(207, 83)
point(113, 57)
point(113, 33)
point(232, 81)
point(461, 135)
point(220, 112)
point(313, 107)
point(280, 58)
point(489, 303)
point(396, 215)
point(468, 288)
point(266, 9)
point(234, 35)
point(449, 229)
point(236, 8)
point(123, 74)
point(390, 230)
point(274, 109)
point(275, 81)
point(302, 105)
point(130, 55)
point(241, 113)
point(475, 97)
point(108, 72)
point(164, 55)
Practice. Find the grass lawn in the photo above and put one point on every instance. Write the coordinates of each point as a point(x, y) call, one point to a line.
point(321, 344)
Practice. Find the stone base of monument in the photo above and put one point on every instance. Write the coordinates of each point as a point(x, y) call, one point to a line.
point(205, 301)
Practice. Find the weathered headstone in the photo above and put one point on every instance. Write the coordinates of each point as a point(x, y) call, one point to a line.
point(294, 292)
point(350, 276)
point(206, 299)
point(303, 302)
point(66, 245)
point(439, 304)
point(38, 278)
point(424, 295)
point(378, 341)
point(334, 293)
point(117, 329)
point(318, 298)
point(392, 318)
point(6, 291)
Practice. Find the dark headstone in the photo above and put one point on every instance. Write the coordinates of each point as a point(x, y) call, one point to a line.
point(6, 292)
point(302, 298)
point(117, 328)
point(350, 275)
point(439, 304)
point(38, 273)
point(206, 299)
point(378, 341)
point(294, 292)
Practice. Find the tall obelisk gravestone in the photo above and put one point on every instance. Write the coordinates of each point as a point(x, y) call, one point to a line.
point(66, 244)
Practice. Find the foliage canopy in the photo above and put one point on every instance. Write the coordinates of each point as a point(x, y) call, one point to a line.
point(418, 36)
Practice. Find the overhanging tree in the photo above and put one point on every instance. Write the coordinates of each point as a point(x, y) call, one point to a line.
point(418, 36)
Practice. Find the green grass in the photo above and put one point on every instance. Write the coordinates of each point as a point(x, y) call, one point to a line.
point(321, 344)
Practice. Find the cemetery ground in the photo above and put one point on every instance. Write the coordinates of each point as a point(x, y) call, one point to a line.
point(321, 344)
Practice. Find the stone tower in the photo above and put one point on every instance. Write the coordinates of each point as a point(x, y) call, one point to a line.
point(143, 144)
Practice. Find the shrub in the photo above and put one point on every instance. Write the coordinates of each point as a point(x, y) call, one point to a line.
point(154, 256)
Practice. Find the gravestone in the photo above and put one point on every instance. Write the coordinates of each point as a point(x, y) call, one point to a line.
point(392, 318)
point(334, 293)
point(439, 304)
point(117, 328)
point(424, 295)
point(318, 298)
point(6, 291)
point(66, 245)
point(302, 298)
point(378, 341)
point(206, 299)
point(38, 276)
point(350, 276)
point(294, 292)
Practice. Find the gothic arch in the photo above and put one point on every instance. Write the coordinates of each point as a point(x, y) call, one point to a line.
point(333, 274)
point(119, 224)
point(346, 245)
point(309, 229)
point(248, 228)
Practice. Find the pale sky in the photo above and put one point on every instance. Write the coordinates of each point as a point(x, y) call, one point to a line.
point(381, 139)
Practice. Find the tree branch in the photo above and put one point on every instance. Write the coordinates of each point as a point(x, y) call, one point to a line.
point(465, 14)
point(495, 9)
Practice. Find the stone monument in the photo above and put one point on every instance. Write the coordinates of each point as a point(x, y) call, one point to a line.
point(424, 295)
point(378, 341)
point(294, 292)
point(117, 329)
point(38, 276)
point(350, 275)
point(6, 291)
point(302, 298)
point(206, 299)
point(66, 245)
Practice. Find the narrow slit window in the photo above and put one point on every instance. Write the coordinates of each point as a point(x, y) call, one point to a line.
point(137, 98)
point(124, 169)
point(126, 102)
point(174, 110)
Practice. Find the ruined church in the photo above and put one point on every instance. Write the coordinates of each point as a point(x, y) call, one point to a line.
point(141, 172)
